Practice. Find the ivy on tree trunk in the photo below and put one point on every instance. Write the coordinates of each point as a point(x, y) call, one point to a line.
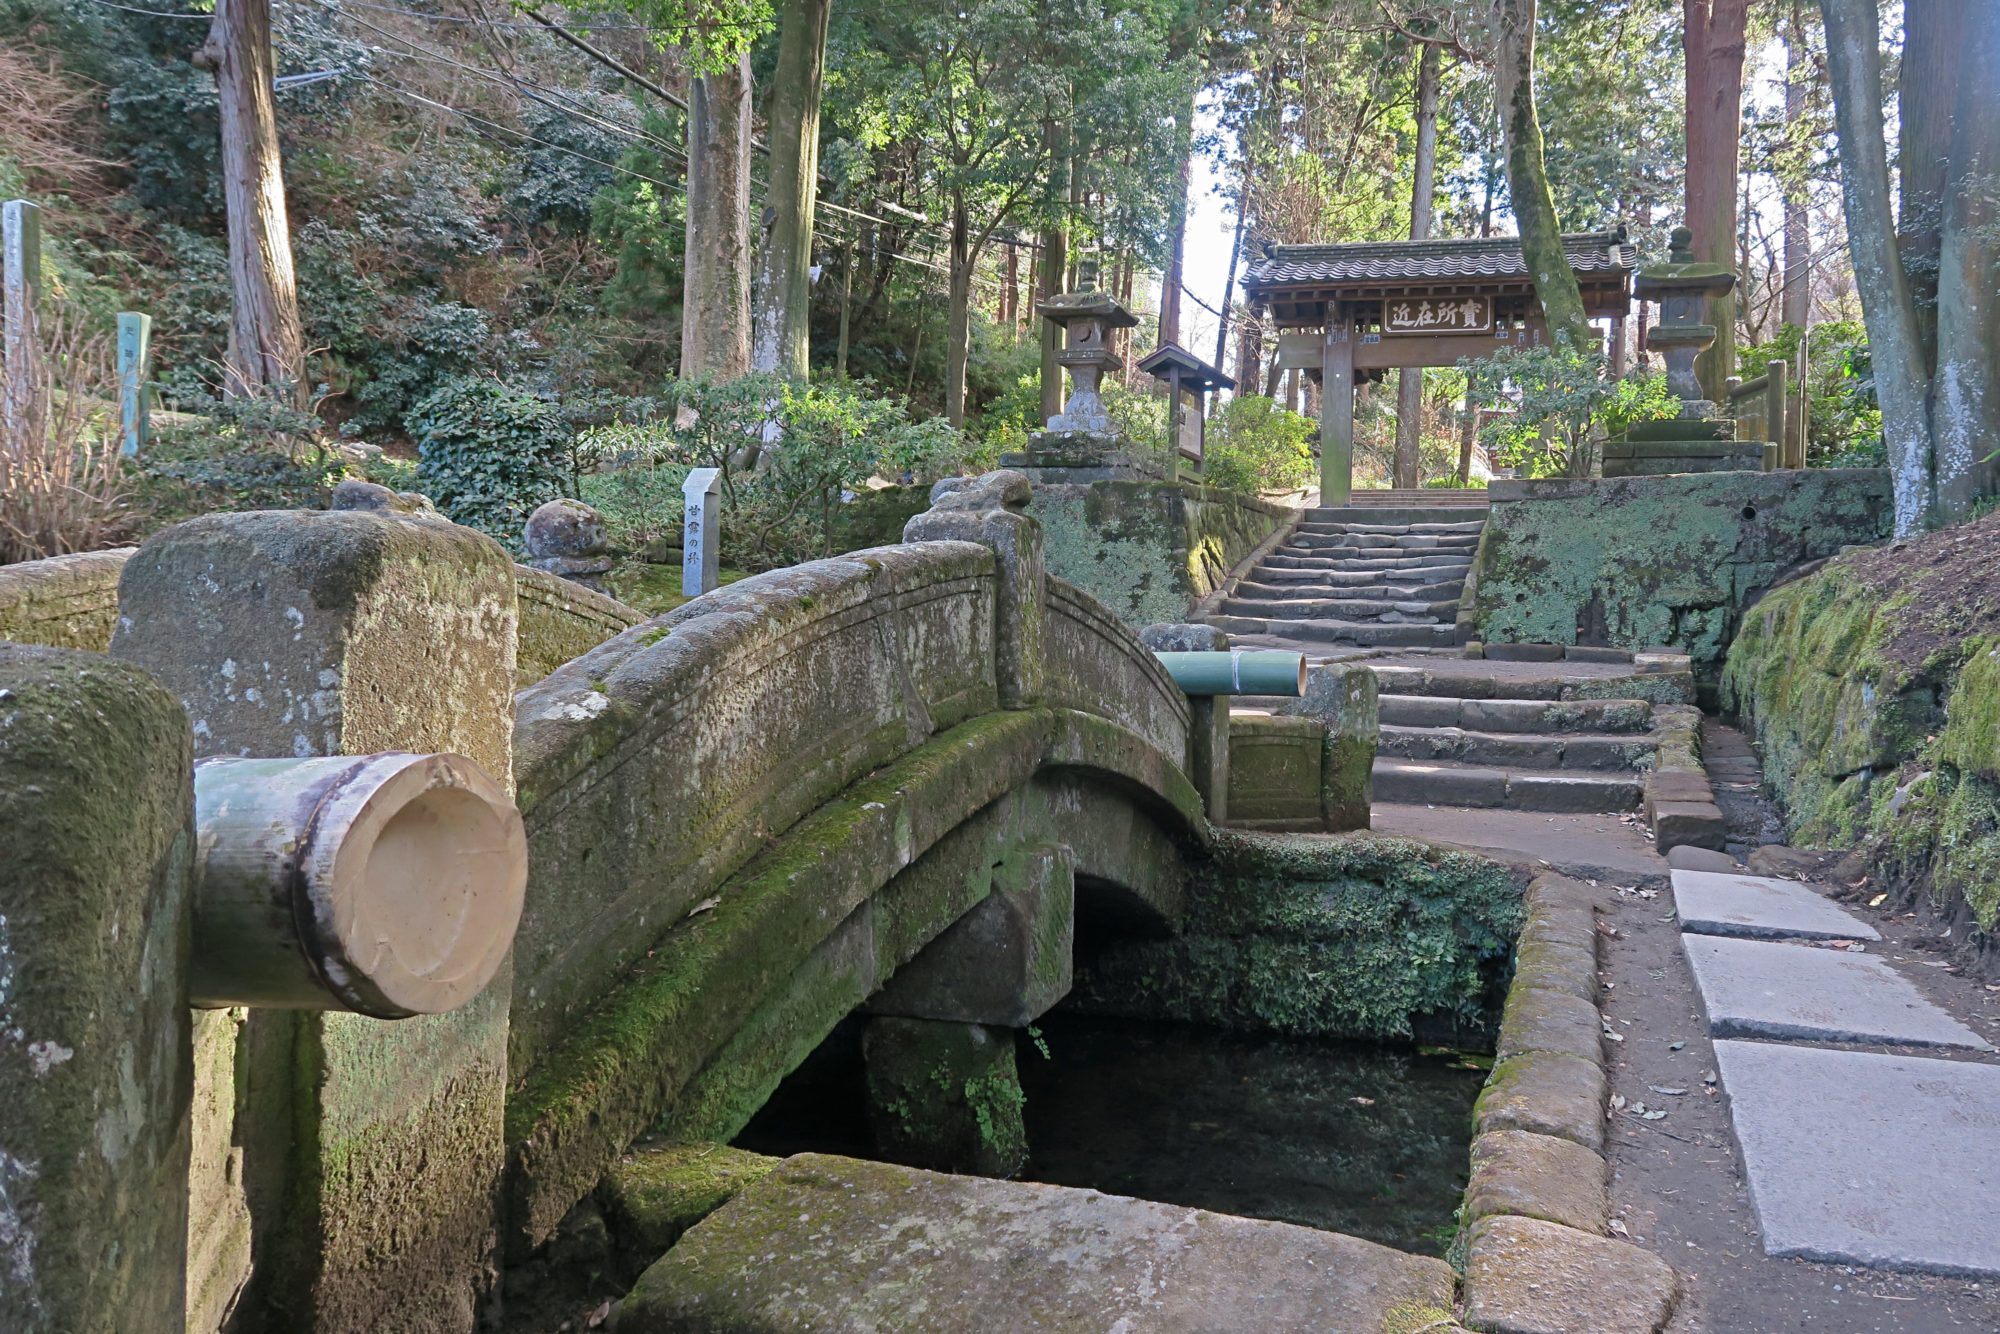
point(1527, 175)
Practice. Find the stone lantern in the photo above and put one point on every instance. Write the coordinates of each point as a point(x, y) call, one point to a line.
point(1683, 286)
point(1087, 317)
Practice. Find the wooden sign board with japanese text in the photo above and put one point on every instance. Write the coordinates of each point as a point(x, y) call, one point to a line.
point(1437, 315)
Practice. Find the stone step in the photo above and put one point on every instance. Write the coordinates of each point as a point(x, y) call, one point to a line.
point(1397, 535)
point(1540, 682)
point(1324, 521)
point(1448, 783)
point(1596, 716)
point(1307, 583)
point(1364, 634)
point(1423, 500)
point(1381, 544)
point(1342, 581)
point(1526, 750)
point(1305, 559)
point(1346, 609)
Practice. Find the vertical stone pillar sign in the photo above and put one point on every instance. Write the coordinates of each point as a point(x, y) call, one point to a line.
point(701, 538)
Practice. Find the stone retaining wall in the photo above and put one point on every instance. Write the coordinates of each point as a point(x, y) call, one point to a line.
point(1642, 562)
point(1150, 550)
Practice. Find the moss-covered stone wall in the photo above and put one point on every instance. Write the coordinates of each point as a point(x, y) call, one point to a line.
point(1149, 550)
point(1359, 936)
point(1872, 688)
point(1638, 562)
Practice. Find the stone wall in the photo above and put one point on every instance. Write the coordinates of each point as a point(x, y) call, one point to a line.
point(1872, 690)
point(1355, 936)
point(562, 620)
point(1150, 550)
point(62, 602)
point(1642, 562)
point(72, 602)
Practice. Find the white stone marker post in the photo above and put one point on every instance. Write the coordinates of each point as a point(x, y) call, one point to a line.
point(20, 288)
point(135, 339)
point(701, 540)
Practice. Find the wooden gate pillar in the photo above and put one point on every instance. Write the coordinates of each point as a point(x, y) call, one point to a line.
point(1336, 414)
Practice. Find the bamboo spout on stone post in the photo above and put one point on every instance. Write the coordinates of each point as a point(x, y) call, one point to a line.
point(386, 885)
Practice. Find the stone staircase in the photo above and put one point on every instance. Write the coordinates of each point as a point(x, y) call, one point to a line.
point(1443, 745)
point(1365, 575)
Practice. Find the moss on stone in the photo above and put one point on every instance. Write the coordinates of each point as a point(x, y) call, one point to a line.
point(658, 1191)
point(1642, 561)
point(1357, 936)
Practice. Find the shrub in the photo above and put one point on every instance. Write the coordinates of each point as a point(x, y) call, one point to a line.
point(1563, 400)
point(1254, 445)
point(60, 483)
point(488, 452)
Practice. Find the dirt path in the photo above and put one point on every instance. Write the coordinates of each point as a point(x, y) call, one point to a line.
point(1677, 1183)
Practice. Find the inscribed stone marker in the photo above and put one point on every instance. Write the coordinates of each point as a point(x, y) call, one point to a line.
point(135, 338)
point(700, 540)
point(20, 289)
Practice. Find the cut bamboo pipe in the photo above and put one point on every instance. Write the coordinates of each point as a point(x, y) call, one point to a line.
point(386, 885)
point(1238, 672)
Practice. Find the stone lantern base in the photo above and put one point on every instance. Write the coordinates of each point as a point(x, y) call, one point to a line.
point(1074, 458)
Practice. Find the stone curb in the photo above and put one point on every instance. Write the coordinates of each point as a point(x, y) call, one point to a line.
point(1527, 1276)
point(1679, 800)
point(1536, 1206)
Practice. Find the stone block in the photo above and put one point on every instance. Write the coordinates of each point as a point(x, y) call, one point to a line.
point(1697, 823)
point(1183, 637)
point(829, 1243)
point(653, 1194)
point(1537, 1176)
point(1276, 766)
point(1554, 966)
point(1545, 1093)
point(1208, 753)
point(1419, 710)
point(1677, 784)
point(1021, 609)
point(1552, 893)
point(1526, 1276)
point(1573, 926)
point(1582, 791)
point(96, 846)
point(1766, 989)
point(1714, 904)
point(1440, 784)
point(1524, 652)
point(1594, 653)
point(1864, 1159)
point(1007, 961)
point(945, 1096)
point(1688, 857)
point(295, 633)
point(1539, 1020)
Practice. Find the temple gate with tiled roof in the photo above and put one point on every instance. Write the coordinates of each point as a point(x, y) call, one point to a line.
point(1356, 311)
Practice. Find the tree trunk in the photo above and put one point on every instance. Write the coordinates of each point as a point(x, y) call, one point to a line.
point(1925, 95)
point(1468, 436)
point(1712, 41)
point(1795, 307)
point(1235, 255)
point(1527, 176)
point(266, 356)
point(1171, 280)
point(1410, 382)
point(1249, 355)
point(1854, 64)
point(958, 313)
point(1965, 389)
point(781, 341)
point(1054, 259)
point(715, 302)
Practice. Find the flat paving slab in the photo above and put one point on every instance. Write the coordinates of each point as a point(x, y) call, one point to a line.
point(1712, 903)
point(835, 1244)
point(1859, 1158)
point(1767, 989)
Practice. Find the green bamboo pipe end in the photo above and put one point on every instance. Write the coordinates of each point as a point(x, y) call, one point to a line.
point(1238, 672)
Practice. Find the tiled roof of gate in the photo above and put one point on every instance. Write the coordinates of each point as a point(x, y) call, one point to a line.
point(1378, 262)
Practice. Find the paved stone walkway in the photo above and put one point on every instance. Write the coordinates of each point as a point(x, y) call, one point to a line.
point(1877, 1158)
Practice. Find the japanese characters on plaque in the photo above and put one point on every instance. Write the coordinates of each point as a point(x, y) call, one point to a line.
point(1460, 314)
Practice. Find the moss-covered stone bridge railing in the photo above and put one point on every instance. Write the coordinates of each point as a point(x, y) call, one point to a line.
point(745, 816)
